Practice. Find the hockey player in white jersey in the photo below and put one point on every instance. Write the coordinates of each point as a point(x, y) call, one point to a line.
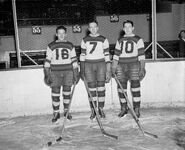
point(60, 70)
point(129, 65)
point(95, 66)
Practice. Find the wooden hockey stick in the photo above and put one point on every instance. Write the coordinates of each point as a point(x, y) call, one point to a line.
point(145, 133)
point(97, 115)
point(65, 119)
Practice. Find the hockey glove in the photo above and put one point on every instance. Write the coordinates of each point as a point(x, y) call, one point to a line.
point(76, 76)
point(47, 76)
point(82, 70)
point(114, 67)
point(108, 72)
point(142, 73)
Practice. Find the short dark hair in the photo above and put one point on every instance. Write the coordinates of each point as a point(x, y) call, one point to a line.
point(93, 21)
point(179, 36)
point(61, 27)
point(128, 21)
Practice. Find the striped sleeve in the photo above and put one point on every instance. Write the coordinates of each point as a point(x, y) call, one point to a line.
point(106, 50)
point(117, 51)
point(83, 51)
point(141, 50)
point(74, 58)
point(48, 57)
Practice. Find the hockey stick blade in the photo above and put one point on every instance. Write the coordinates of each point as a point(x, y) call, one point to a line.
point(97, 115)
point(109, 135)
point(54, 142)
point(150, 134)
point(145, 133)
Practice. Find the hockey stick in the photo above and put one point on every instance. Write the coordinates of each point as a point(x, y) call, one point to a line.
point(65, 119)
point(145, 133)
point(97, 115)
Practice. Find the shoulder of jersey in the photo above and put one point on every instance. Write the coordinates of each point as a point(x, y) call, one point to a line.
point(55, 44)
point(98, 38)
point(51, 44)
point(69, 43)
point(135, 38)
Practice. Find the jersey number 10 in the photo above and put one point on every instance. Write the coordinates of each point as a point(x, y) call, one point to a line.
point(129, 46)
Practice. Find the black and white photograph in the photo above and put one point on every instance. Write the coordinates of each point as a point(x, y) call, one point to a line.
point(92, 75)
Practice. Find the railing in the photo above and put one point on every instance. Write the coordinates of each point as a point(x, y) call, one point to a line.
point(37, 57)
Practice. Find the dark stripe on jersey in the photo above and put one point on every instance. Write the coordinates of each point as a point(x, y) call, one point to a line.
point(141, 51)
point(99, 38)
point(128, 60)
point(73, 57)
point(60, 67)
point(83, 50)
point(106, 54)
point(132, 38)
point(117, 52)
point(47, 60)
point(106, 50)
point(74, 61)
point(55, 45)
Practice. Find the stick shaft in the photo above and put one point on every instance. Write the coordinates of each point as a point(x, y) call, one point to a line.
point(65, 119)
point(97, 115)
point(132, 111)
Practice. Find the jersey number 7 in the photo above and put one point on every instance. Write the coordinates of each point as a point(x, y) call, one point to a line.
point(94, 47)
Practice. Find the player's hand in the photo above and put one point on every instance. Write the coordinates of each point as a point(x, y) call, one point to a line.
point(108, 72)
point(47, 76)
point(76, 75)
point(108, 76)
point(142, 73)
point(113, 71)
point(114, 67)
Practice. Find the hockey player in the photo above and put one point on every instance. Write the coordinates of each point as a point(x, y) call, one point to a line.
point(60, 70)
point(128, 64)
point(95, 66)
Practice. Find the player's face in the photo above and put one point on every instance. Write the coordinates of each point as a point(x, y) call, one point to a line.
point(61, 34)
point(93, 28)
point(128, 28)
point(183, 35)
